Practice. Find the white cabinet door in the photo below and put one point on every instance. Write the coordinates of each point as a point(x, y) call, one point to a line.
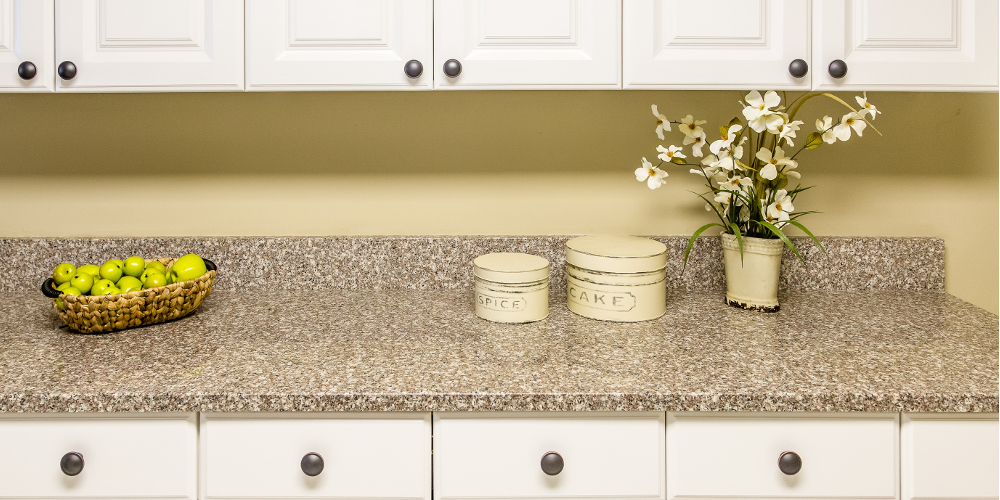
point(150, 45)
point(148, 456)
point(339, 44)
point(500, 455)
point(906, 45)
point(260, 455)
point(715, 44)
point(842, 456)
point(950, 456)
point(517, 44)
point(26, 37)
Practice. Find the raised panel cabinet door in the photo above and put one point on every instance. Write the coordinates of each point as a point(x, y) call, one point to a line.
point(782, 455)
point(930, 45)
point(27, 46)
point(340, 44)
point(316, 455)
point(149, 45)
point(954, 456)
point(716, 44)
point(126, 456)
point(541, 455)
point(523, 44)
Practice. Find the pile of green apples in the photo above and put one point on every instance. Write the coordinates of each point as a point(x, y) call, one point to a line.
point(122, 276)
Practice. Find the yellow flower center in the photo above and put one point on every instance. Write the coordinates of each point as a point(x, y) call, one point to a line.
point(652, 172)
point(778, 206)
point(762, 107)
point(774, 161)
point(850, 121)
point(659, 121)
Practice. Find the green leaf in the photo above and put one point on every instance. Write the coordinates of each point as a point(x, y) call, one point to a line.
point(814, 140)
point(777, 232)
point(679, 161)
point(804, 230)
point(781, 181)
point(739, 239)
point(734, 121)
point(694, 236)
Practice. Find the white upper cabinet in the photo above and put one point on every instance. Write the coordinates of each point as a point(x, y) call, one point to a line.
point(149, 45)
point(518, 44)
point(27, 46)
point(340, 44)
point(715, 44)
point(906, 45)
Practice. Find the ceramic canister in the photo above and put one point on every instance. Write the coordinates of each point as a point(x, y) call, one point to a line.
point(616, 278)
point(511, 287)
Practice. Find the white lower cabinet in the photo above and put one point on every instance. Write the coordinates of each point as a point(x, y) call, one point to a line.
point(542, 455)
point(950, 456)
point(316, 455)
point(726, 455)
point(98, 455)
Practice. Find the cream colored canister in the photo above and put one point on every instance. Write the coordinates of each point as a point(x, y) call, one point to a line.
point(512, 287)
point(616, 278)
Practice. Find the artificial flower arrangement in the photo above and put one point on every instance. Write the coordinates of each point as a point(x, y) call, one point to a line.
point(750, 196)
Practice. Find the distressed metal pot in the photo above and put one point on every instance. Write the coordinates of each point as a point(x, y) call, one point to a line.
point(753, 282)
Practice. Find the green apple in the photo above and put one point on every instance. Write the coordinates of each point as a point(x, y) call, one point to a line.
point(63, 272)
point(111, 290)
point(186, 268)
point(90, 269)
point(64, 286)
point(129, 284)
point(82, 281)
point(66, 291)
point(111, 270)
point(134, 266)
point(148, 272)
point(102, 286)
point(157, 265)
point(154, 280)
point(121, 263)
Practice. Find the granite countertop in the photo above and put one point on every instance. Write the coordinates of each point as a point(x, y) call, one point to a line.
point(422, 350)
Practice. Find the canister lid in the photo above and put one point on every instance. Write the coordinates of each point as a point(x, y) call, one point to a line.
point(616, 254)
point(511, 267)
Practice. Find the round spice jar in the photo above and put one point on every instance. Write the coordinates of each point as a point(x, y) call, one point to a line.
point(511, 287)
point(616, 278)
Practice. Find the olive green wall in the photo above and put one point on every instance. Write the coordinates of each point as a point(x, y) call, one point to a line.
point(527, 162)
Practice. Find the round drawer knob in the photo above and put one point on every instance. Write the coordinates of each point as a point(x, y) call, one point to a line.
point(27, 70)
point(71, 463)
point(790, 463)
point(552, 463)
point(312, 464)
point(413, 68)
point(838, 69)
point(798, 68)
point(66, 70)
point(452, 68)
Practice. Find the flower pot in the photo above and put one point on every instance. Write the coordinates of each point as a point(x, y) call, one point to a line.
point(753, 283)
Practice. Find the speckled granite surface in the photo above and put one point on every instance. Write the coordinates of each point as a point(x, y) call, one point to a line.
point(281, 350)
point(445, 262)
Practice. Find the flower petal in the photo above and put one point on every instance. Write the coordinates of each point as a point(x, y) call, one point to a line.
point(769, 172)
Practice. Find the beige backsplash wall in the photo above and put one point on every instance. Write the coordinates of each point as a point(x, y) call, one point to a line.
point(529, 162)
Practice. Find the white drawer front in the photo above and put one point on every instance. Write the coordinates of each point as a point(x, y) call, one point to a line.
point(364, 455)
point(125, 456)
point(499, 455)
point(843, 456)
point(950, 456)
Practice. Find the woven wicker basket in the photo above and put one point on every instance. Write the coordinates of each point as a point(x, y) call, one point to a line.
point(108, 313)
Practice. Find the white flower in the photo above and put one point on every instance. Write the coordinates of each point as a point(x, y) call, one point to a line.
point(662, 123)
point(697, 142)
point(787, 131)
point(690, 127)
point(725, 160)
point(724, 197)
point(770, 170)
point(851, 120)
point(825, 126)
point(736, 183)
point(727, 139)
point(758, 111)
point(668, 154)
point(652, 175)
point(779, 210)
point(868, 107)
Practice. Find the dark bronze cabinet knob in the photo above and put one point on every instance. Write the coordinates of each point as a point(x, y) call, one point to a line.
point(71, 463)
point(452, 68)
point(798, 68)
point(66, 70)
point(790, 463)
point(838, 69)
point(27, 70)
point(413, 68)
point(312, 464)
point(552, 463)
